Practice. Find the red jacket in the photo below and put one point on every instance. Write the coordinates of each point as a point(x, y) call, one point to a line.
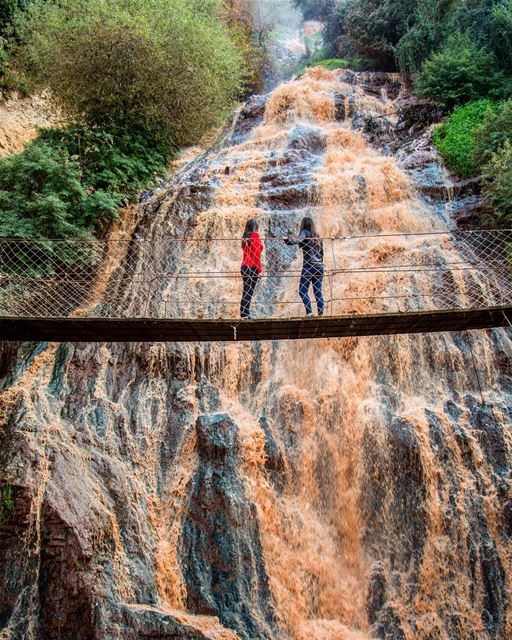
point(253, 248)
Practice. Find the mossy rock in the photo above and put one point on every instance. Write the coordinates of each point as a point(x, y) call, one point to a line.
point(6, 503)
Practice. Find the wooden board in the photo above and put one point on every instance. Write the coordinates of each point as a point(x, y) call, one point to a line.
point(145, 330)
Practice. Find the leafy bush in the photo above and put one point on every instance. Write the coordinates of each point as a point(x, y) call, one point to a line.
point(455, 139)
point(68, 183)
point(330, 63)
point(497, 180)
point(429, 27)
point(376, 26)
point(490, 23)
point(166, 65)
point(494, 132)
point(461, 72)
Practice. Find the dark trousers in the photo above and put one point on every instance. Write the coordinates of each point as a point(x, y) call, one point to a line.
point(250, 279)
point(316, 279)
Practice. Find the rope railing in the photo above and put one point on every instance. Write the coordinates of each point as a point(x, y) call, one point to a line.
point(199, 278)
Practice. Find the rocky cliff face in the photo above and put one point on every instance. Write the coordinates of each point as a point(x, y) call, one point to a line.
point(338, 489)
point(21, 117)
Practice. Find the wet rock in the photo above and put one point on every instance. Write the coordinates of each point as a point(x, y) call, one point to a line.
point(250, 116)
point(394, 476)
point(376, 593)
point(8, 355)
point(417, 114)
point(375, 82)
point(287, 184)
point(140, 622)
point(468, 212)
point(490, 437)
point(274, 460)
point(388, 626)
point(344, 105)
point(221, 557)
point(432, 183)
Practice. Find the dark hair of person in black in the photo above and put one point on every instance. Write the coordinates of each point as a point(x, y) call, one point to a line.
point(251, 226)
point(308, 224)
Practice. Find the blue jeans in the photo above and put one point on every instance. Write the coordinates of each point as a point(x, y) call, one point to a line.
point(316, 279)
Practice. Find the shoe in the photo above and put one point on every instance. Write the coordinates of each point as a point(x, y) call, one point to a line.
point(309, 315)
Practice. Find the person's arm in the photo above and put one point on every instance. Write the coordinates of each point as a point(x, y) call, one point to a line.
point(291, 241)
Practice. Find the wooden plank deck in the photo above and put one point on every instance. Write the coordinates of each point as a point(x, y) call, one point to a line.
point(145, 330)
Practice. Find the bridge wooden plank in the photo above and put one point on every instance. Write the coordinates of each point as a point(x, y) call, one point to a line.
point(145, 330)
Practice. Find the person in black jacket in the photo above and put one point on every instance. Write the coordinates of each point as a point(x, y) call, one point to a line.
point(313, 265)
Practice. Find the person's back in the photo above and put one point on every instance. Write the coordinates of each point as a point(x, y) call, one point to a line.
point(313, 251)
point(313, 263)
point(251, 269)
point(252, 248)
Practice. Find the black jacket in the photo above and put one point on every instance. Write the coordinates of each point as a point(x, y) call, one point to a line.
point(313, 250)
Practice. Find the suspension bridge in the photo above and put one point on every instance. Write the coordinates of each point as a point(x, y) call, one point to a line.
point(189, 289)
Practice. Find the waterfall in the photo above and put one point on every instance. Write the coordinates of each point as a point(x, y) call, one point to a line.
point(328, 490)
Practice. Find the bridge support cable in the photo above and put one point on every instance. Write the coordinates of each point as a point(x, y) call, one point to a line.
point(190, 280)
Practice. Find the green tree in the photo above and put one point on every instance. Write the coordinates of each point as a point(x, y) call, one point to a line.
point(376, 26)
point(166, 65)
point(462, 71)
point(456, 137)
point(490, 23)
point(494, 132)
point(70, 182)
point(41, 194)
point(497, 181)
point(429, 26)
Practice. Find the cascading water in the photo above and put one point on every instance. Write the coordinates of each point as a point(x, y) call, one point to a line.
point(329, 490)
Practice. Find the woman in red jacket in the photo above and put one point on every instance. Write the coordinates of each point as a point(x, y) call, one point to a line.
point(251, 269)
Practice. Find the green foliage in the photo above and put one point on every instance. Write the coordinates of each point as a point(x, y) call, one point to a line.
point(166, 65)
point(68, 183)
point(495, 131)
point(490, 24)
point(455, 139)
point(497, 181)
point(376, 26)
point(428, 30)
point(9, 12)
point(6, 503)
point(461, 72)
point(329, 63)
point(409, 32)
point(356, 64)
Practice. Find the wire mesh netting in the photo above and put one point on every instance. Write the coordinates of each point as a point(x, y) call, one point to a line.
point(208, 277)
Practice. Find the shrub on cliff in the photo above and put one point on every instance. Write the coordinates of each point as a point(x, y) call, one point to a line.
point(376, 26)
point(166, 65)
point(461, 72)
point(494, 132)
point(68, 183)
point(497, 181)
point(455, 138)
point(10, 11)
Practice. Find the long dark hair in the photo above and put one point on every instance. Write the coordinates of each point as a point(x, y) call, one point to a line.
point(251, 226)
point(308, 224)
